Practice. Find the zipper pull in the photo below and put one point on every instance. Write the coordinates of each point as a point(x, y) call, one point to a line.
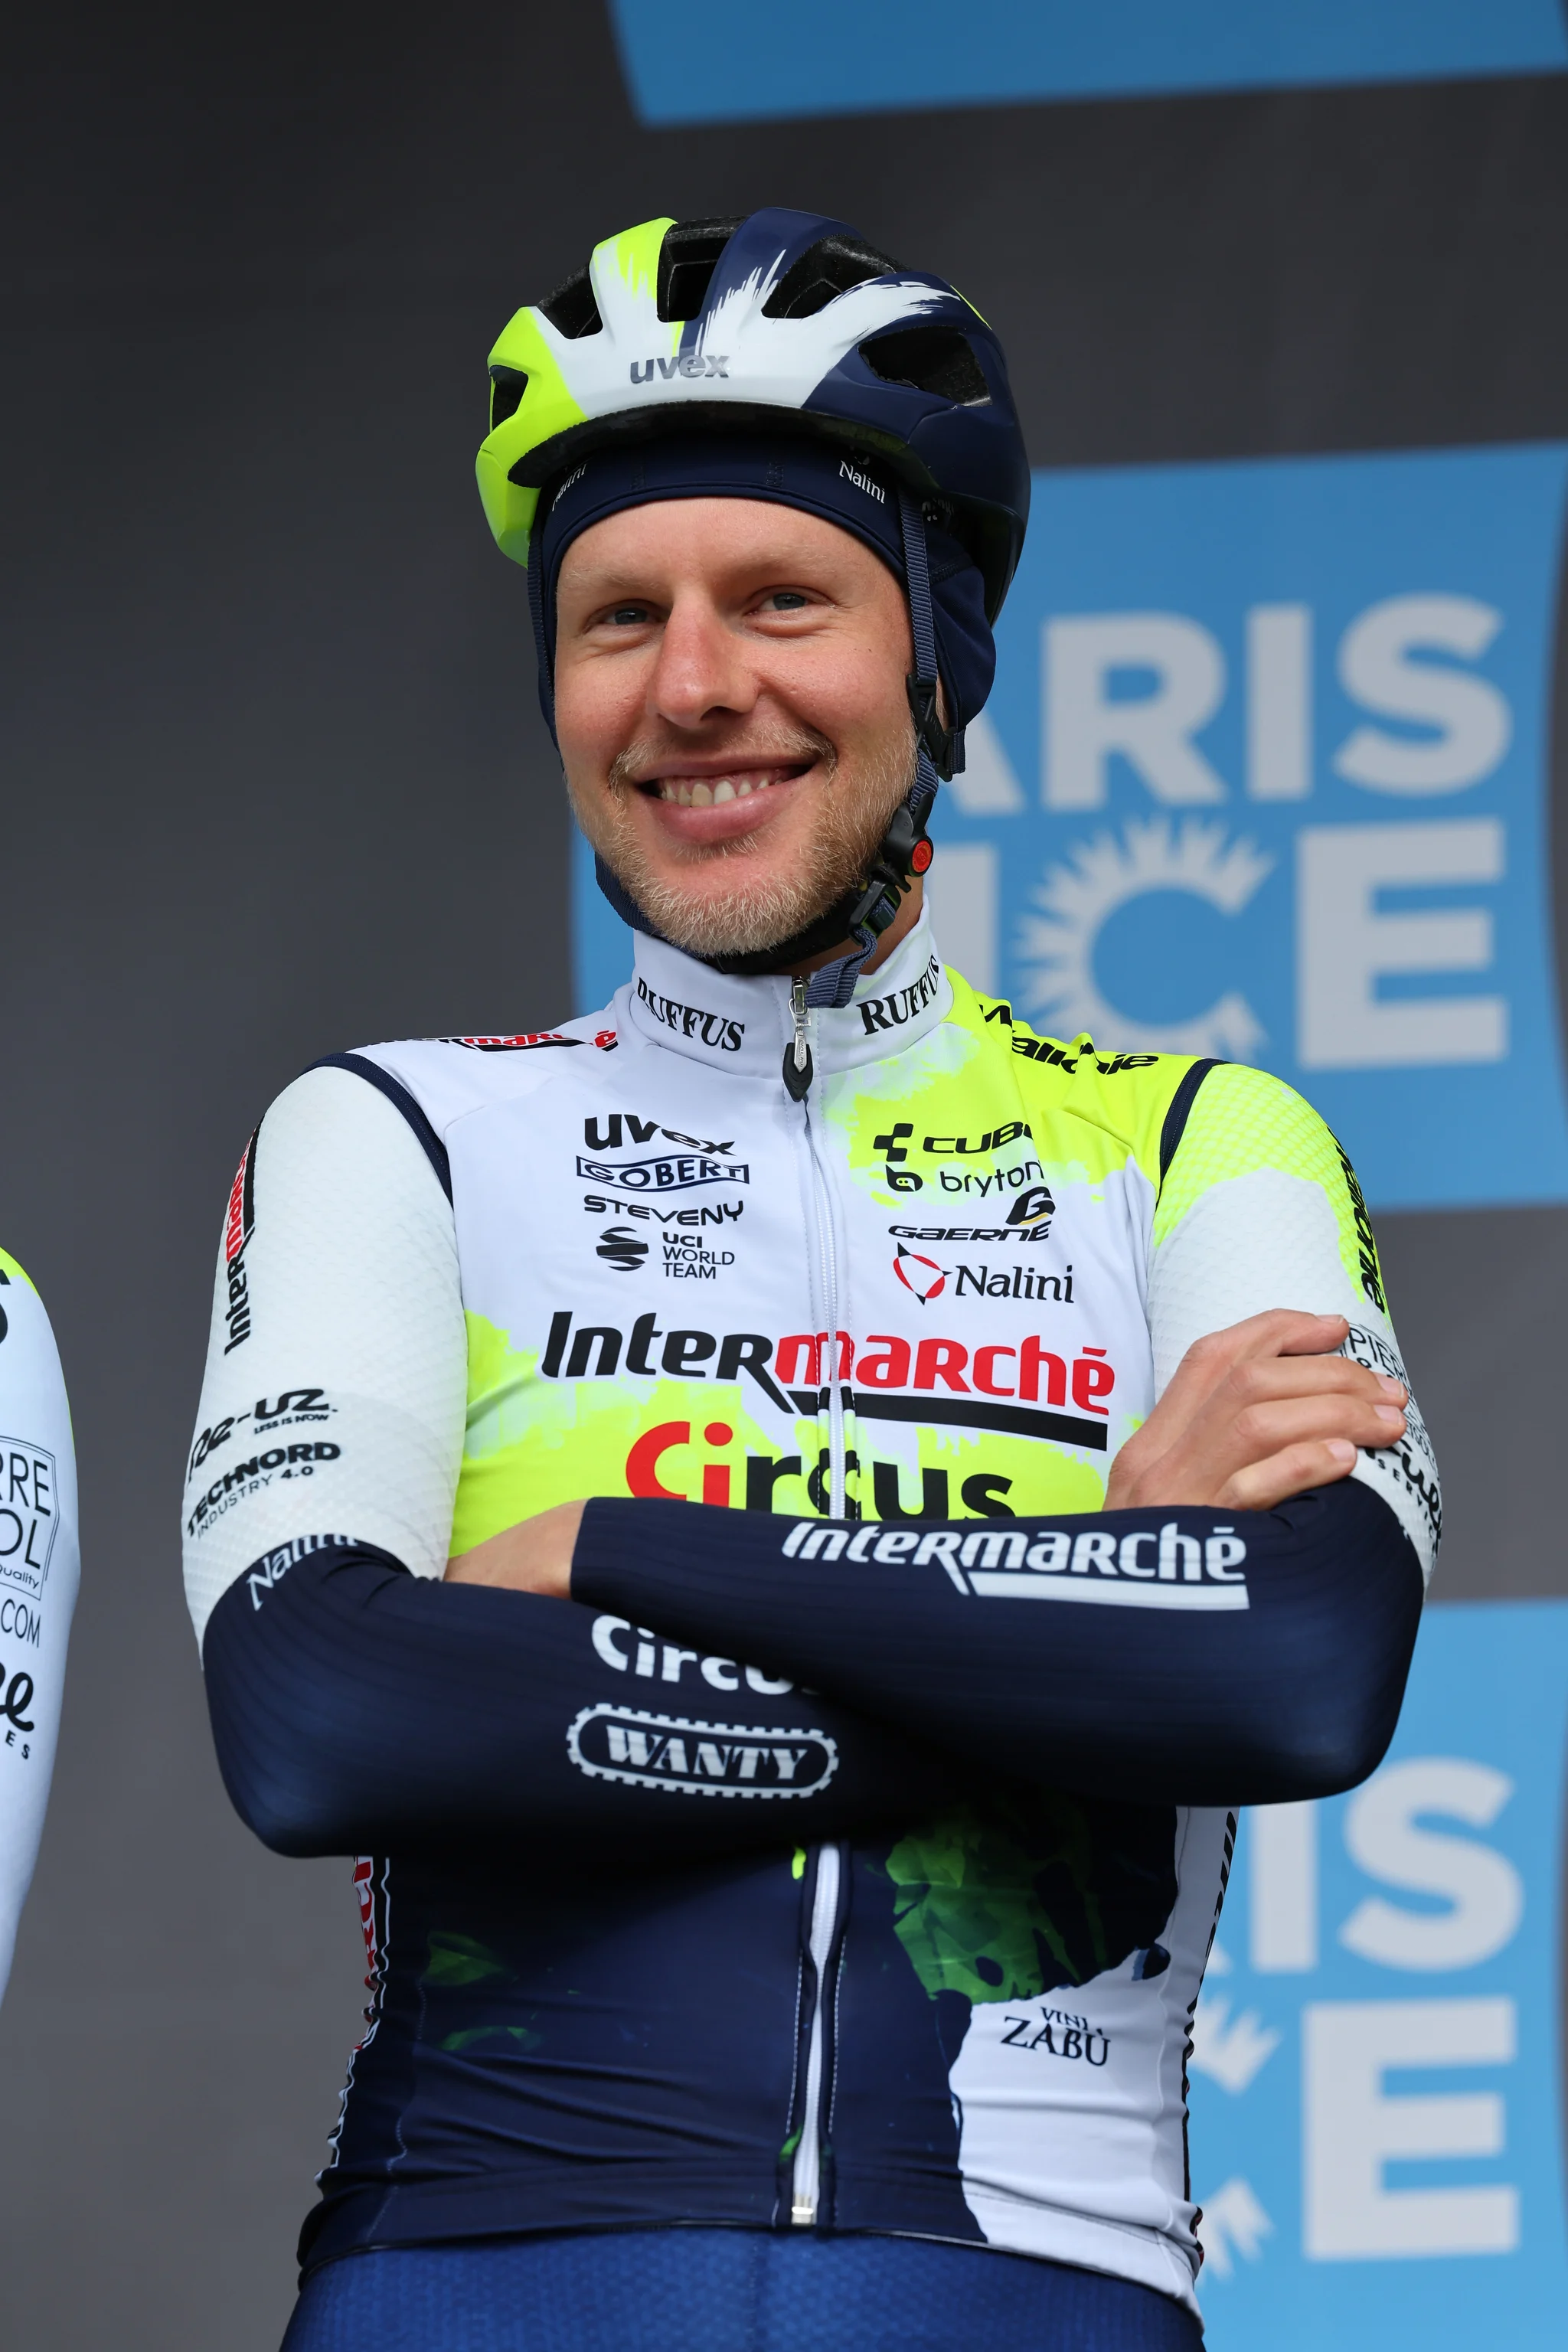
point(797, 1066)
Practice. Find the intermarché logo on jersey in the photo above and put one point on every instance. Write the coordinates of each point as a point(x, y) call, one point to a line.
point(1022, 1388)
point(238, 1226)
point(698, 1759)
point(1168, 1567)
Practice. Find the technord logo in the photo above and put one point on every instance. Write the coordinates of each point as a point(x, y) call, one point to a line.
point(698, 1759)
point(1162, 1567)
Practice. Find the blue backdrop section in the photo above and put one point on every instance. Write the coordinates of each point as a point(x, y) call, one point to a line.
point(709, 61)
point(1265, 776)
point(1377, 2074)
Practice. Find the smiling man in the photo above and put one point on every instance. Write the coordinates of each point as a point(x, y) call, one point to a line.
point(837, 1498)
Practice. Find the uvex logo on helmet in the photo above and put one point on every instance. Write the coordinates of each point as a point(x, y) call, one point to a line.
point(689, 364)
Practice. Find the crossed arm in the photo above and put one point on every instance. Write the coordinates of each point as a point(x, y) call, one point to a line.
point(357, 1707)
point(1253, 1415)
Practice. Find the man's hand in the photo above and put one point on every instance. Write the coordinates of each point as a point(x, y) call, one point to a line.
point(533, 1557)
point(1254, 1414)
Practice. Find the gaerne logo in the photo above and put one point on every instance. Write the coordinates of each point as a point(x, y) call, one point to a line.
point(688, 363)
point(1168, 1567)
point(901, 1006)
point(715, 1029)
point(238, 1226)
point(698, 1759)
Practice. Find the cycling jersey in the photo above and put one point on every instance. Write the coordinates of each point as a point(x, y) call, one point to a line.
point(852, 1859)
point(40, 1569)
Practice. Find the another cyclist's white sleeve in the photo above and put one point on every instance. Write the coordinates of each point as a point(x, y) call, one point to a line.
point(39, 1568)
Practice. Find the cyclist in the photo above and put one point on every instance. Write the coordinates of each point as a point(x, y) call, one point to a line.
point(39, 1570)
point(786, 1879)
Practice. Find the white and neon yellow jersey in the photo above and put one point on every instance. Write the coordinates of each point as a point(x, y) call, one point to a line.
point(751, 1887)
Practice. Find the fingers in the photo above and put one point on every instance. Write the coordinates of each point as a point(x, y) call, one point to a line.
point(1263, 1430)
point(1261, 1484)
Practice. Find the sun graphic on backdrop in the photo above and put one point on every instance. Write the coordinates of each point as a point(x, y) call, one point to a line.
point(1078, 896)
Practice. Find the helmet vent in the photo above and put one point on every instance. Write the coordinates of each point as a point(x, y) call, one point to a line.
point(571, 310)
point(932, 359)
point(507, 388)
point(686, 260)
point(829, 268)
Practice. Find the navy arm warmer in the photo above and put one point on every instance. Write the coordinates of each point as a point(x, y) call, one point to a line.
point(357, 1709)
point(1174, 1655)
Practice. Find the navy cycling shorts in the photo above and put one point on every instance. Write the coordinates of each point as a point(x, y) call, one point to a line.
point(725, 2291)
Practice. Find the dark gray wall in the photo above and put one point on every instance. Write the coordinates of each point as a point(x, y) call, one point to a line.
point(275, 784)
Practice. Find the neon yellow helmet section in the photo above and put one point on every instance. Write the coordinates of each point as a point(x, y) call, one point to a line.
point(563, 387)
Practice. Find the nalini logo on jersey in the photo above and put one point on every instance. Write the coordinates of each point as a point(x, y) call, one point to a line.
point(698, 1759)
point(921, 1276)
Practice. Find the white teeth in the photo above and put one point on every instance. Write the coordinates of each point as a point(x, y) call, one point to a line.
point(703, 795)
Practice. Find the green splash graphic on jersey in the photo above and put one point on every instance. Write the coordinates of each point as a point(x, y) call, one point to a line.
point(1031, 1893)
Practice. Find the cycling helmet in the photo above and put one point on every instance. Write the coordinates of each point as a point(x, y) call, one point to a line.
point(781, 324)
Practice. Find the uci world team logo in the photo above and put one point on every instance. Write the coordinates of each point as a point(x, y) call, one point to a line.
point(1264, 777)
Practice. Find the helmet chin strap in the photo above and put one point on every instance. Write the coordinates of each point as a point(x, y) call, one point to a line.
point(864, 913)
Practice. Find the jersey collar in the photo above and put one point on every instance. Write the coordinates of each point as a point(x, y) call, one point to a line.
point(744, 1026)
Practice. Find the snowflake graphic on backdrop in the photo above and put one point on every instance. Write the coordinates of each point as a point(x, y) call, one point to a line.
point(1056, 947)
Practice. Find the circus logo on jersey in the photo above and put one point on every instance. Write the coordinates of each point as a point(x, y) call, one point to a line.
point(922, 1276)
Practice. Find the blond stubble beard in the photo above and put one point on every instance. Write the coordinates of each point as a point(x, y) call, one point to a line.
point(760, 910)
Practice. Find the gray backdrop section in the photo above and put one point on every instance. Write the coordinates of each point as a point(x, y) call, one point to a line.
point(274, 784)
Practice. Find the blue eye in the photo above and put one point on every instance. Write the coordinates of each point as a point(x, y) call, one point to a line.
point(786, 600)
point(627, 616)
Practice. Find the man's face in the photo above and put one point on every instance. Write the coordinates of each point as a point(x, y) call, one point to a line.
point(730, 709)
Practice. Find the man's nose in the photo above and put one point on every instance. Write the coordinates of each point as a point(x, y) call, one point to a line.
point(702, 671)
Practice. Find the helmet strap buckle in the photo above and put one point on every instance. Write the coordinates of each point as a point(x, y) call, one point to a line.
point(940, 743)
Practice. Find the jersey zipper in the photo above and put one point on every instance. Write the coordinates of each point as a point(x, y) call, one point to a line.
point(829, 1885)
point(807, 2183)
